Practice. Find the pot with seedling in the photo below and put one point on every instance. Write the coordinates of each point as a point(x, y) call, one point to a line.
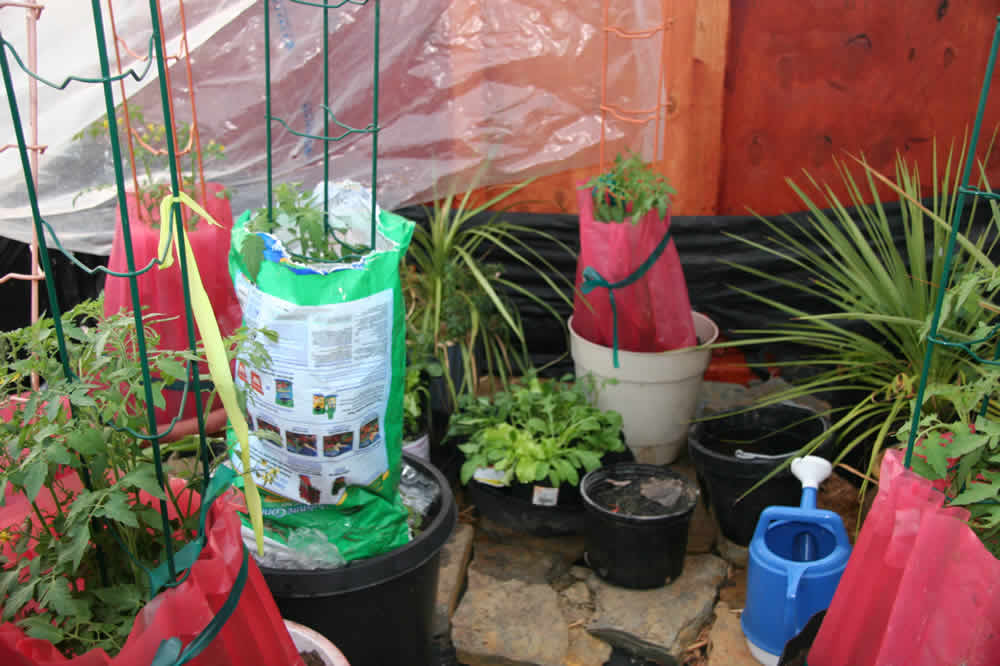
point(207, 231)
point(632, 326)
point(527, 447)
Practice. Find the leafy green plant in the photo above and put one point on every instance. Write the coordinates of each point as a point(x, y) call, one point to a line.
point(958, 432)
point(629, 190)
point(80, 577)
point(456, 296)
point(870, 338)
point(536, 431)
point(152, 162)
point(416, 396)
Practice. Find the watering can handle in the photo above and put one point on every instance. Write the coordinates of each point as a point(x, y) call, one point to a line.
point(795, 574)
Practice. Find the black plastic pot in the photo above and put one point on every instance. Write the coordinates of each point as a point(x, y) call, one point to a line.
point(513, 507)
point(379, 610)
point(732, 452)
point(636, 551)
point(517, 506)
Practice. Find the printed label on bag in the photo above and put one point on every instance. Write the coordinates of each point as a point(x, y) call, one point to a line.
point(490, 476)
point(545, 496)
point(322, 402)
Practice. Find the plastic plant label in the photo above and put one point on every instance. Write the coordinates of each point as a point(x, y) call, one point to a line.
point(491, 477)
point(544, 496)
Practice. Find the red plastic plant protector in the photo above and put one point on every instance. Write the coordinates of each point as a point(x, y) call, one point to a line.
point(161, 291)
point(920, 588)
point(654, 312)
point(253, 634)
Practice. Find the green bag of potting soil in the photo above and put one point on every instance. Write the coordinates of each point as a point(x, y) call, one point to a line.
point(325, 413)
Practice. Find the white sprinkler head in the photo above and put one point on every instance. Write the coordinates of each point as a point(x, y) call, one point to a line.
point(811, 470)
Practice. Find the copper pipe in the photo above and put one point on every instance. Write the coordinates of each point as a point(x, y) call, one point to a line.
point(194, 111)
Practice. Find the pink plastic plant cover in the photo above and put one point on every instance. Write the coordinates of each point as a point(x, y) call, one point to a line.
point(253, 634)
point(920, 588)
point(654, 312)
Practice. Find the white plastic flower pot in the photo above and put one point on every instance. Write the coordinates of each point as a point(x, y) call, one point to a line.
point(419, 447)
point(656, 393)
point(307, 640)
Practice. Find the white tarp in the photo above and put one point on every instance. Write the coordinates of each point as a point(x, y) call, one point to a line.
point(516, 83)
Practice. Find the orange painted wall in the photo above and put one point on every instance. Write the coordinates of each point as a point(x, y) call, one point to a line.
point(805, 81)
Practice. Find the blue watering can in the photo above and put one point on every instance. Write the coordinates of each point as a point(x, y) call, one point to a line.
point(797, 556)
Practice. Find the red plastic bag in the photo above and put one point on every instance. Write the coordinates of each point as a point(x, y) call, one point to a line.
point(161, 291)
point(920, 588)
point(654, 312)
point(253, 634)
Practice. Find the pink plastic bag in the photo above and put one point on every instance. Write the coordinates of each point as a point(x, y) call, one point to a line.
point(253, 634)
point(654, 312)
point(920, 588)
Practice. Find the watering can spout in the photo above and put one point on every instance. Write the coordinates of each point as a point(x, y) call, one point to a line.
point(811, 471)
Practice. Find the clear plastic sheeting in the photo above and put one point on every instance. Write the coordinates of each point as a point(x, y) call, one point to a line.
point(418, 491)
point(515, 83)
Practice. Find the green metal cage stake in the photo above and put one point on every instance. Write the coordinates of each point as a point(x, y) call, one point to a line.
point(963, 191)
point(329, 117)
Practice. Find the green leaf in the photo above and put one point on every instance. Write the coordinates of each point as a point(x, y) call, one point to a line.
point(144, 478)
point(57, 597)
point(35, 474)
point(21, 595)
point(171, 368)
point(252, 253)
point(7, 579)
point(41, 627)
point(525, 471)
point(75, 545)
point(120, 597)
point(117, 509)
point(87, 442)
point(976, 492)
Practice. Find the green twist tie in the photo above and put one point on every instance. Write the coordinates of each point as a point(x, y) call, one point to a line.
point(592, 280)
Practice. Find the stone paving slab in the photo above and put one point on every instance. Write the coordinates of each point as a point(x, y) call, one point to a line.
point(661, 623)
point(726, 644)
point(455, 558)
point(509, 623)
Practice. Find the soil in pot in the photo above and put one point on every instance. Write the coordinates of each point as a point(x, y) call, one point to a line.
point(732, 452)
point(637, 519)
point(645, 497)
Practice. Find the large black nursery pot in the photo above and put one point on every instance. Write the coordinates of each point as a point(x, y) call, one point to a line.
point(638, 517)
point(377, 611)
point(734, 450)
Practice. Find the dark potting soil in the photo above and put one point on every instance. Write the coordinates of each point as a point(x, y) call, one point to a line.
point(644, 497)
point(312, 658)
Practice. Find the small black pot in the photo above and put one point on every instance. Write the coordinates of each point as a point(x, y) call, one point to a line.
point(641, 549)
point(776, 432)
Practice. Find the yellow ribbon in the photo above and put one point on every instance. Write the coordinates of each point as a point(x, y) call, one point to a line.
point(215, 351)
